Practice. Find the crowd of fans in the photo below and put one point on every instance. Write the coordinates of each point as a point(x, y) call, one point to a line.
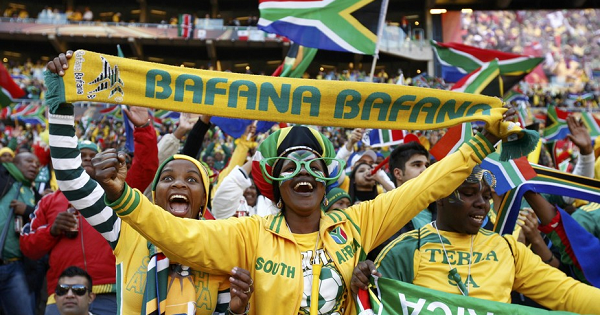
point(568, 39)
point(230, 190)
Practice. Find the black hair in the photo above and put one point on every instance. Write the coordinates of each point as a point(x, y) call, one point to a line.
point(403, 153)
point(352, 188)
point(74, 271)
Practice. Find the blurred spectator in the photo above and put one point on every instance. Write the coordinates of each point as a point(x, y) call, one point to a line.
point(88, 15)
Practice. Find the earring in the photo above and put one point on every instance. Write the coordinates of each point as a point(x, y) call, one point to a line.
point(325, 201)
point(279, 204)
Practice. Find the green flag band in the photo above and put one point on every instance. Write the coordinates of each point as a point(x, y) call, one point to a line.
point(104, 78)
point(403, 298)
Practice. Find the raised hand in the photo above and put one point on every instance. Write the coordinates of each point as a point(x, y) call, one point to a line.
point(242, 287)
point(138, 115)
point(111, 170)
point(355, 136)
point(580, 135)
point(60, 63)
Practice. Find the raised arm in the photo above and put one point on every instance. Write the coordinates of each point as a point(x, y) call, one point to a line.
point(79, 188)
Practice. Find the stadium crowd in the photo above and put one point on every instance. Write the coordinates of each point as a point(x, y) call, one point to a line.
point(198, 219)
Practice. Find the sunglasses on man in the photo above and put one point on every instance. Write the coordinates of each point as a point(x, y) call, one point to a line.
point(78, 289)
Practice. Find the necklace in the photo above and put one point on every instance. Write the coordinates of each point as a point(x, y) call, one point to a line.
point(453, 272)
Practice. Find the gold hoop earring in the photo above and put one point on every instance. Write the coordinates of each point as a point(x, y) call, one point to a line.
point(279, 204)
point(325, 201)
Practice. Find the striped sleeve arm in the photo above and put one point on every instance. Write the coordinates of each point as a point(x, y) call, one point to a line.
point(81, 190)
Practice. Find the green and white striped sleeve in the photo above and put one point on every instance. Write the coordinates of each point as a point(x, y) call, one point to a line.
point(81, 190)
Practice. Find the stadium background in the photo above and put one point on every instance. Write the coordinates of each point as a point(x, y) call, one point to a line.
point(240, 55)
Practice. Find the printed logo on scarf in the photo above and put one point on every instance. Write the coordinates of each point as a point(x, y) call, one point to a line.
point(338, 235)
point(108, 79)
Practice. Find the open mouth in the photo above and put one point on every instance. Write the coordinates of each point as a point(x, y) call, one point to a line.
point(478, 219)
point(303, 187)
point(178, 204)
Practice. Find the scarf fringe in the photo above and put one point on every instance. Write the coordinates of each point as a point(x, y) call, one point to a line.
point(525, 142)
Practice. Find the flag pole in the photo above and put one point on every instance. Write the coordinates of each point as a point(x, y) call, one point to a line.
point(382, 13)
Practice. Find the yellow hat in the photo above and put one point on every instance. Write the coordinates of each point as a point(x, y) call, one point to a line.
point(7, 149)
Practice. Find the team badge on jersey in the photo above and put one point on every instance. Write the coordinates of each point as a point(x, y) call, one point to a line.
point(338, 235)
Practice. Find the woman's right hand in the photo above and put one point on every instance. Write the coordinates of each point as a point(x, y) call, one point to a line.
point(59, 64)
point(361, 275)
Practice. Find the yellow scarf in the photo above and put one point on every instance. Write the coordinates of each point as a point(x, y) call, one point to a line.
point(109, 79)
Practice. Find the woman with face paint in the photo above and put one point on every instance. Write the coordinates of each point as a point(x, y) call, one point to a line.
point(302, 258)
point(455, 255)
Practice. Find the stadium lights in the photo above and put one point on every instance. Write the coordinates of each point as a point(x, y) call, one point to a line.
point(437, 11)
point(466, 11)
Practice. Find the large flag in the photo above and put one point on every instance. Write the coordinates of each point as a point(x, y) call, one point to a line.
point(458, 60)
point(296, 62)
point(592, 122)
point(452, 140)
point(401, 298)
point(509, 174)
point(556, 124)
point(383, 137)
point(9, 90)
point(585, 247)
point(484, 80)
point(341, 25)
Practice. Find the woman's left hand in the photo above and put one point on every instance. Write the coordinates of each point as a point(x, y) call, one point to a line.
point(242, 287)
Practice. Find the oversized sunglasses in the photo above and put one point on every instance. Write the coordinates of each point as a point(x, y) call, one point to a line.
point(322, 168)
point(78, 289)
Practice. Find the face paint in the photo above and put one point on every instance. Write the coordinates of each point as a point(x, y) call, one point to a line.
point(478, 176)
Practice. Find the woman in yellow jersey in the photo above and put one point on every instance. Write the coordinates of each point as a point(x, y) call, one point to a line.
point(455, 255)
point(148, 282)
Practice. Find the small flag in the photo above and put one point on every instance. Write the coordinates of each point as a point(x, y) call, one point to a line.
point(383, 137)
point(9, 90)
point(592, 122)
point(296, 62)
point(113, 111)
point(35, 115)
point(452, 140)
point(509, 174)
point(185, 26)
point(484, 80)
point(556, 124)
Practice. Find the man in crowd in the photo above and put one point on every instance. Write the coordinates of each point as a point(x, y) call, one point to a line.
point(74, 292)
point(17, 200)
point(407, 161)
